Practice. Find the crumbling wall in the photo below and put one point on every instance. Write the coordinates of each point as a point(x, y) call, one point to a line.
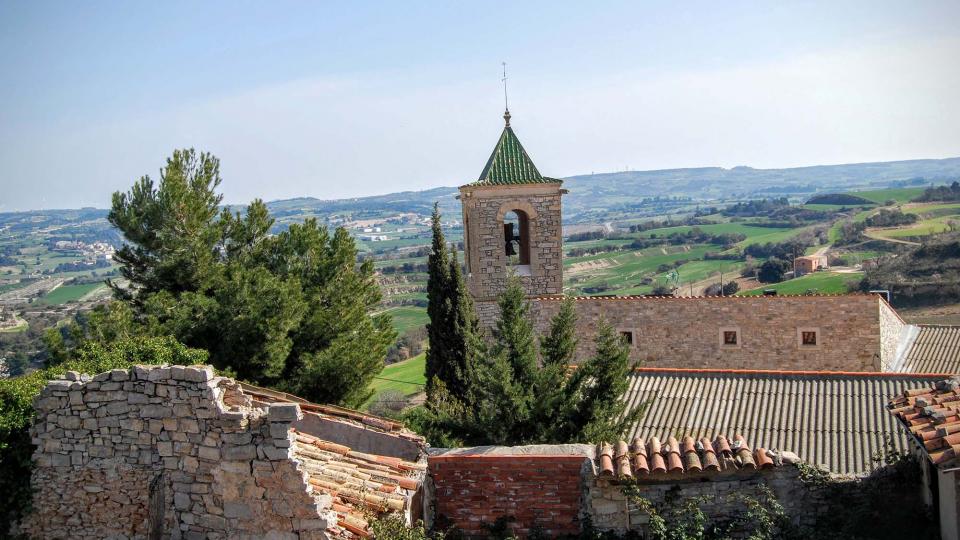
point(167, 452)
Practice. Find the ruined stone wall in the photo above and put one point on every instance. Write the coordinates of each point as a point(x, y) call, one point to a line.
point(686, 332)
point(892, 331)
point(167, 452)
point(723, 496)
point(483, 212)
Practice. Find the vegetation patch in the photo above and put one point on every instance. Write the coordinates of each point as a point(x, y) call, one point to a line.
point(816, 283)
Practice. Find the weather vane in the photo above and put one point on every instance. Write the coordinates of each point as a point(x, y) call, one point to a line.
point(506, 102)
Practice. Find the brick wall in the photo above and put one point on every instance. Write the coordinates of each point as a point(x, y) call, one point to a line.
point(685, 332)
point(471, 491)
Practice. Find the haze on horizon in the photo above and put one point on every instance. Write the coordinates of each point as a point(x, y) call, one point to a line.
point(334, 101)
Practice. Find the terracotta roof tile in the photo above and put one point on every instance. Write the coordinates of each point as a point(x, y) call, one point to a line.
point(360, 484)
point(667, 298)
point(385, 425)
point(932, 417)
point(690, 456)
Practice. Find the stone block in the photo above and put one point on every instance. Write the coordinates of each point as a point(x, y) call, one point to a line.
point(155, 411)
point(240, 453)
point(210, 453)
point(274, 453)
point(198, 373)
point(76, 398)
point(119, 375)
point(71, 376)
point(159, 374)
point(279, 430)
point(232, 509)
point(284, 412)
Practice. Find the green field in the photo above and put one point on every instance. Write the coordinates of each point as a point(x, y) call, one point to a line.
point(407, 317)
point(406, 377)
point(880, 196)
point(69, 293)
point(820, 282)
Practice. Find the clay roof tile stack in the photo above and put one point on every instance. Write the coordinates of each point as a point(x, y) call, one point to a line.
point(932, 416)
point(650, 457)
point(360, 484)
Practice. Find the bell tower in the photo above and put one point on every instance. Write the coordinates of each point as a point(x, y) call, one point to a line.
point(511, 224)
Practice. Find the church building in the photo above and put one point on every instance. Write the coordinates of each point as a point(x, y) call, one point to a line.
point(512, 226)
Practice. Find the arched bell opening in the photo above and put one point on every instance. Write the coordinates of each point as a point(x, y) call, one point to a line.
point(516, 238)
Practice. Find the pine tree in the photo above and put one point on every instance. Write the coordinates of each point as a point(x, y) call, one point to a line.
point(294, 310)
point(558, 349)
point(514, 333)
point(593, 407)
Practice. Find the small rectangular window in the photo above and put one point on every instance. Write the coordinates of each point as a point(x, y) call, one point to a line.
point(627, 337)
point(729, 337)
point(808, 337)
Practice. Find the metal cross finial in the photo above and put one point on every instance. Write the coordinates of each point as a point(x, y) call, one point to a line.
point(506, 103)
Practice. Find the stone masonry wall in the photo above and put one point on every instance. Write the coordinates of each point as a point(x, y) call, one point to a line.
point(892, 330)
point(686, 332)
point(723, 496)
point(483, 212)
point(167, 452)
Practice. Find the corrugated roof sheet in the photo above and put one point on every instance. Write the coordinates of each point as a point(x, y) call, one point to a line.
point(837, 420)
point(936, 349)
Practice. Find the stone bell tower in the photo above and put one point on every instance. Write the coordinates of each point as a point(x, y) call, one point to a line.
point(511, 222)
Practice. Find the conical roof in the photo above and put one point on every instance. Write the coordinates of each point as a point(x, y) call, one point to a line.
point(509, 163)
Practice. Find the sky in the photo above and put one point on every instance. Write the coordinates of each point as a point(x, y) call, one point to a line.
point(346, 99)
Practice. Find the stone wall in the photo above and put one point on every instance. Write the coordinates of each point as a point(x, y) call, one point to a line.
point(483, 213)
point(723, 496)
point(892, 331)
point(687, 332)
point(167, 452)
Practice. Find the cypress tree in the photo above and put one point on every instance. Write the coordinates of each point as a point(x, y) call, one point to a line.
point(464, 342)
point(438, 306)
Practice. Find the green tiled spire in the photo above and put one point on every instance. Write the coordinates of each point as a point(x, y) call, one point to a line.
point(509, 164)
